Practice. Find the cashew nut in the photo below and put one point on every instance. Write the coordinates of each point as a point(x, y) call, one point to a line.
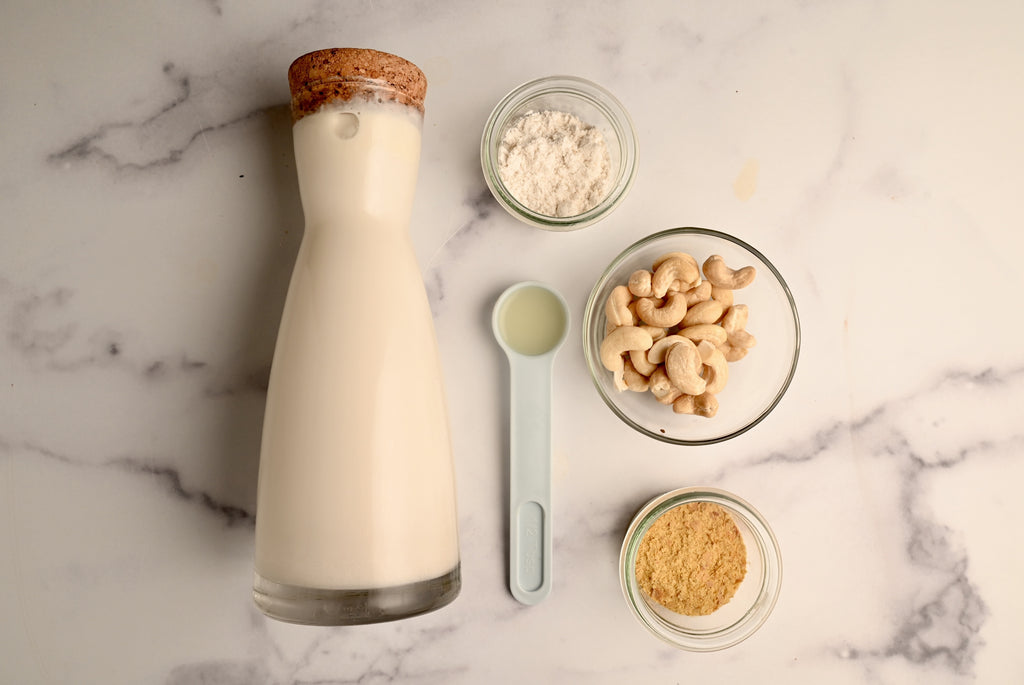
point(616, 309)
point(708, 311)
point(684, 405)
point(662, 388)
point(716, 370)
point(723, 295)
point(735, 322)
point(705, 331)
point(733, 353)
point(699, 293)
point(682, 365)
point(735, 318)
point(705, 348)
point(705, 404)
point(634, 380)
point(656, 354)
point(722, 276)
point(640, 283)
point(674, 255)
point(657, 332)
point(640, 362)
point(618, 342)
point(742, 338)
point(671, 270)
point(678, 285)
point(662, 315)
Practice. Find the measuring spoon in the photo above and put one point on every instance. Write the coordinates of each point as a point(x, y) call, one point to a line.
point(530, 321)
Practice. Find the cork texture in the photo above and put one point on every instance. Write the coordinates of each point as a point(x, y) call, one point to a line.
point(341, 74)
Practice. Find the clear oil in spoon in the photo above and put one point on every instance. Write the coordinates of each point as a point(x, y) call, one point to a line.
point(532, 320)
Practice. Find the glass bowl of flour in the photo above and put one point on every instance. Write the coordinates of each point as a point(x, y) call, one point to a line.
point(559, 153)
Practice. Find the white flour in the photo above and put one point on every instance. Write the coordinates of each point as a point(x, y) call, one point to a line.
point(555, 164)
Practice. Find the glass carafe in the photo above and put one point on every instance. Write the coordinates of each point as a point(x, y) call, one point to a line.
point(356, 515)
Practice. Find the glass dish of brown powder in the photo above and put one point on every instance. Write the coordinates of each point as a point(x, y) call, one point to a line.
point(692, 559)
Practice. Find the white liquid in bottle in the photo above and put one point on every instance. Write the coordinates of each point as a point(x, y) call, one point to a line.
point(356, 517)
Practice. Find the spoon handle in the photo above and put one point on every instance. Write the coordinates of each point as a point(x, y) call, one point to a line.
point(530, 479)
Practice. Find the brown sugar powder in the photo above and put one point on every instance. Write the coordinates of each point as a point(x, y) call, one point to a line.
point(692, 559)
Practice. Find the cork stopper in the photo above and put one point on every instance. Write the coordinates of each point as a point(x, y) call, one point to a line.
point(341, 74)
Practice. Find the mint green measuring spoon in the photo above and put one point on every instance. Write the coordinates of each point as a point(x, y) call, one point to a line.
point(530, 321)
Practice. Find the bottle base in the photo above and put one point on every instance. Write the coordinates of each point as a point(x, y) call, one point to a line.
point(319, 607)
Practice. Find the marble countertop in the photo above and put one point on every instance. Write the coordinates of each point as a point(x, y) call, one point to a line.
point(150, 222)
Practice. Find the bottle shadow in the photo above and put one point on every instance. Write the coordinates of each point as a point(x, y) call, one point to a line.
point(240, 388)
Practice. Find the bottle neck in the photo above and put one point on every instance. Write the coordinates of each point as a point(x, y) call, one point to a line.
point(357, 164)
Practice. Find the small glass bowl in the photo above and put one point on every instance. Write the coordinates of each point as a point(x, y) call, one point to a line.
point(734, 621)
point(756, 383)
point(592, 104)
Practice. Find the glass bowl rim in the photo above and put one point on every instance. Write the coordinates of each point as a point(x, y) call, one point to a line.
point(754, 616)
point(591, 312)
point(593, 93)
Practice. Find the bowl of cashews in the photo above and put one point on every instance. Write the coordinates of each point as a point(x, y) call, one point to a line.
point(691, 336)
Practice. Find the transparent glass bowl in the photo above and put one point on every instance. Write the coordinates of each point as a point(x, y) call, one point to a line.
point(756, 383)
point(592, 104)
point(734, 621)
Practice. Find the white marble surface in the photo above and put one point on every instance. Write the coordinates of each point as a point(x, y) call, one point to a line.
point(150, 218)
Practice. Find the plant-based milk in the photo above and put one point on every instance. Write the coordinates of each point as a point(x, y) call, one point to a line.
point(356, 498)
